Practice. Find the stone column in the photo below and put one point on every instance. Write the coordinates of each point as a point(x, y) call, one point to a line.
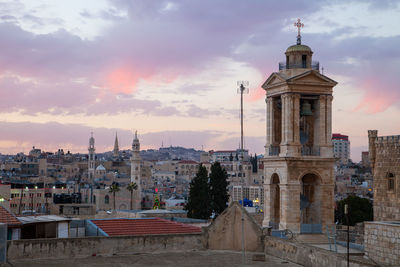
point(327, 206)
point(328, 122)
point(325, 126)
point(290, 126)
point(270, 124)
point(296, 119)
point(284, 119)
point(267, 205)
point(289, 119)
point(290, 207)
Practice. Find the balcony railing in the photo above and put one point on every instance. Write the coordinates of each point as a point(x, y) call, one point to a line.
point(283, 66)
point(310, 151)
point(274, 150)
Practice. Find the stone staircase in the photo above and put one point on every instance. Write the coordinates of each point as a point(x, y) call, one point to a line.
point(312, 238)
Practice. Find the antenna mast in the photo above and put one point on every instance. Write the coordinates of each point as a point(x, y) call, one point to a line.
point(243, 89)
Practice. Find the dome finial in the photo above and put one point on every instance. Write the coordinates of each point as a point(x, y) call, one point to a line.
point(299, 25)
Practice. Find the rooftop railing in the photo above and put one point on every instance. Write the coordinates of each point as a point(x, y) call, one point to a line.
point(274, 150)
point(310, 150)
point(283, 66)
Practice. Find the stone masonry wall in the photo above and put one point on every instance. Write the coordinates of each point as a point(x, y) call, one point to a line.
point(385, 158)
point(382, 242)
point(106, 246)
point(307, 255)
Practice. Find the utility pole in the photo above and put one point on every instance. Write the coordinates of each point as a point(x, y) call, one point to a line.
point(242, 89)
point(346, 212)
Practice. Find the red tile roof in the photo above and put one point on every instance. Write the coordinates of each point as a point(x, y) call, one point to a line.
point(147, 226)
point(8, 218)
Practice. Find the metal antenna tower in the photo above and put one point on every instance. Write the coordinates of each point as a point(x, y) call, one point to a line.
point(243, 89)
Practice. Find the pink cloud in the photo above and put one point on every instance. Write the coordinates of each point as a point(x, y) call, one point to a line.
point(378, 96)
point(256, 94)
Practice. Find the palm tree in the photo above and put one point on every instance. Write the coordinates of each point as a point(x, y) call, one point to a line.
point(113, 189)
point(131, 187)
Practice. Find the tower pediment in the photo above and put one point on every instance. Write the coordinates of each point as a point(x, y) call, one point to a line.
point(273, 80)
point(312, 77)
point(289, 80)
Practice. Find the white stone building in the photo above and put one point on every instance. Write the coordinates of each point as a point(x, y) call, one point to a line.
point(341, 147)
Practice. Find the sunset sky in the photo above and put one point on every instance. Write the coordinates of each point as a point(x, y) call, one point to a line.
point(169, 69)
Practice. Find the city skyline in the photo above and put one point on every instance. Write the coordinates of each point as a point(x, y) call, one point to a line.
point(169, 69)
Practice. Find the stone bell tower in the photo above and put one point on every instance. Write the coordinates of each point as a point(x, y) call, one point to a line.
point(298, 161)
point(135, 170)
point(91, 159)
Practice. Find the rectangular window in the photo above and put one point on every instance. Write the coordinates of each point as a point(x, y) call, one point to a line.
point(391, 184)
point(304, 61)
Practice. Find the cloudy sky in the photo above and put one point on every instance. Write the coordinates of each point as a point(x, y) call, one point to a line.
point(169, 69)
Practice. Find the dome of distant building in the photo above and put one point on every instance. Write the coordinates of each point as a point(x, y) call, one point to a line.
point(298, 48)
point(100, 168)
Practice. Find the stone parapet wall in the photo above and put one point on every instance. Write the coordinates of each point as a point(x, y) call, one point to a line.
point(356, 233)
point(307, 255)
point(382, 242)
point(89, 246)
point(387, 139)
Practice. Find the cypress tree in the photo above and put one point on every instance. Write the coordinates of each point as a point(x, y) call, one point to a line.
point(198, 205)
point(218, 188)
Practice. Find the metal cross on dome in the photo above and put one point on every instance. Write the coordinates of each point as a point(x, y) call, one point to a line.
point(299, 25)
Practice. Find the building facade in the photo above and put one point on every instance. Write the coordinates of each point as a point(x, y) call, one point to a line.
point(298, 161)
point(341, 147)
point(384, 152)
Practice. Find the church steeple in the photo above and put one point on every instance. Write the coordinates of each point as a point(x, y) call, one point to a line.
point(116, 147)
point(92, 158)
point(135, 168)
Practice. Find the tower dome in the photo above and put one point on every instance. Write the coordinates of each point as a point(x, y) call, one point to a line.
point(298, 56)
point(298, 48)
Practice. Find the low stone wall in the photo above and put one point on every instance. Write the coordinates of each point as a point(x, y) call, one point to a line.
point(356, 233)
point(307, 255)
point(382, 242)
point(88, 246)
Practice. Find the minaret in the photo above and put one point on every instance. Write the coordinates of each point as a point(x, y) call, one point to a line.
point(116, 148)
point(135, 166)
point(92, 159)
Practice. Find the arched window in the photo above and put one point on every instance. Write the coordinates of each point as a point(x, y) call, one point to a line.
point(106, 199)
point(390, 181)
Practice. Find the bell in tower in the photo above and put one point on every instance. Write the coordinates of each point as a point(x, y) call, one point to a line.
point(306, 109)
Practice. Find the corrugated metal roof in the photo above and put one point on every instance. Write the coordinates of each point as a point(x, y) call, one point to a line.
point(42, 219)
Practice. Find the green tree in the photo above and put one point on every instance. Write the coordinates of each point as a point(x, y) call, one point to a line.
point(218, 188)
point(114, 188)
point(360, 210)
point(132, 186)
point(198, 205)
